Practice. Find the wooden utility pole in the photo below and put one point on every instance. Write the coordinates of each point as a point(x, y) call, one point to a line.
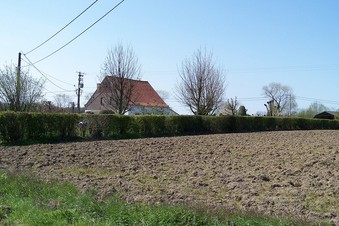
point(18, 85)
point(80, 86)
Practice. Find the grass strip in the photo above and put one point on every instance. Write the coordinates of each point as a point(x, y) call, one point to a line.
point(25, 200)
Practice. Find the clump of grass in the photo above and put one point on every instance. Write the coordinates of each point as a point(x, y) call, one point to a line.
point(25, 200)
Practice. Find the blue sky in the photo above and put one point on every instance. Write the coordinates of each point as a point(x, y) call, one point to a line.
point(294, 42)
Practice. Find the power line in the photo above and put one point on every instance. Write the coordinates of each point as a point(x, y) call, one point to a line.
point(245, 99)
point(43, 74)
point(29, 64)
point(58, 79)
point(317, 100)
point(62, 28)
point(80, 33)
point(249, 99)
point(325, 67)
point(48, 91)
point(57, 92)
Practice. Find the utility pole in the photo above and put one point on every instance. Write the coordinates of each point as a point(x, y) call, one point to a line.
point(18, 85)
point(80, 86)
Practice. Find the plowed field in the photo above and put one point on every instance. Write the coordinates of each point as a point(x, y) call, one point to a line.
point(293, 173)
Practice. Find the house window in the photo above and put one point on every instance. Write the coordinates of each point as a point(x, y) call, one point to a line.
point(102, 100)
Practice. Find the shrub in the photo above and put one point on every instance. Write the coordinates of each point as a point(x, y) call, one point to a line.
point(151, 125)
point(108, 126)
point(18, 127)
point(106, 112)
point(11, 124)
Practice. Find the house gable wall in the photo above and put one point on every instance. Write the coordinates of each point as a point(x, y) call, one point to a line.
point(95, 104)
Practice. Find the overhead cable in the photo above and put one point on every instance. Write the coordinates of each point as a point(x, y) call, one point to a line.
point(57, 92)
point(80, 33)
point(251, 98)
point(59, 80)
point(43, 74)
point(287, 68)
point(317, 100)
point(62, 28)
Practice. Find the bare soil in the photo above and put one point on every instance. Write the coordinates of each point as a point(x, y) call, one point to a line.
point(294, 173)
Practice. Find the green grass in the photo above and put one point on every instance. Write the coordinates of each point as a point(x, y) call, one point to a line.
point(24, 200)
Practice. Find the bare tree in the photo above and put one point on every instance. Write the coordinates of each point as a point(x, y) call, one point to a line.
point(62, 100)
point(281, 99)
point(231, 107)
point(19, 91)
point(120, 68)
point(202, 84)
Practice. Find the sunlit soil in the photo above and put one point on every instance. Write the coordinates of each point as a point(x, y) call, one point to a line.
point(293, 173)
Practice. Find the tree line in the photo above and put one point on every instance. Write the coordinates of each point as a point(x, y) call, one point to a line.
point(201, 87)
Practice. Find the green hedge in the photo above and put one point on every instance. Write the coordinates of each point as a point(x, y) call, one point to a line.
point(11, 127)
point(18, 127)
point(121, 126)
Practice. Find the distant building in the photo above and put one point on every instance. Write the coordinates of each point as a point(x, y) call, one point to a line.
point(326, 115)
point(144, 99)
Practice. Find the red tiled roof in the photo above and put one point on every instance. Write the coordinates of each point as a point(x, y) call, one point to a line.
point(144, 94)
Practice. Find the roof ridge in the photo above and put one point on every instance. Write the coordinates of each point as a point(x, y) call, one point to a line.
point(114, 76)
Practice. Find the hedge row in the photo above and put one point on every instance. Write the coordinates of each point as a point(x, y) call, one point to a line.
point(54, 127)
point(17, 127)
point(113, 126)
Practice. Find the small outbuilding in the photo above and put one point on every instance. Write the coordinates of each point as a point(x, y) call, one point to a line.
point(325, 115)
